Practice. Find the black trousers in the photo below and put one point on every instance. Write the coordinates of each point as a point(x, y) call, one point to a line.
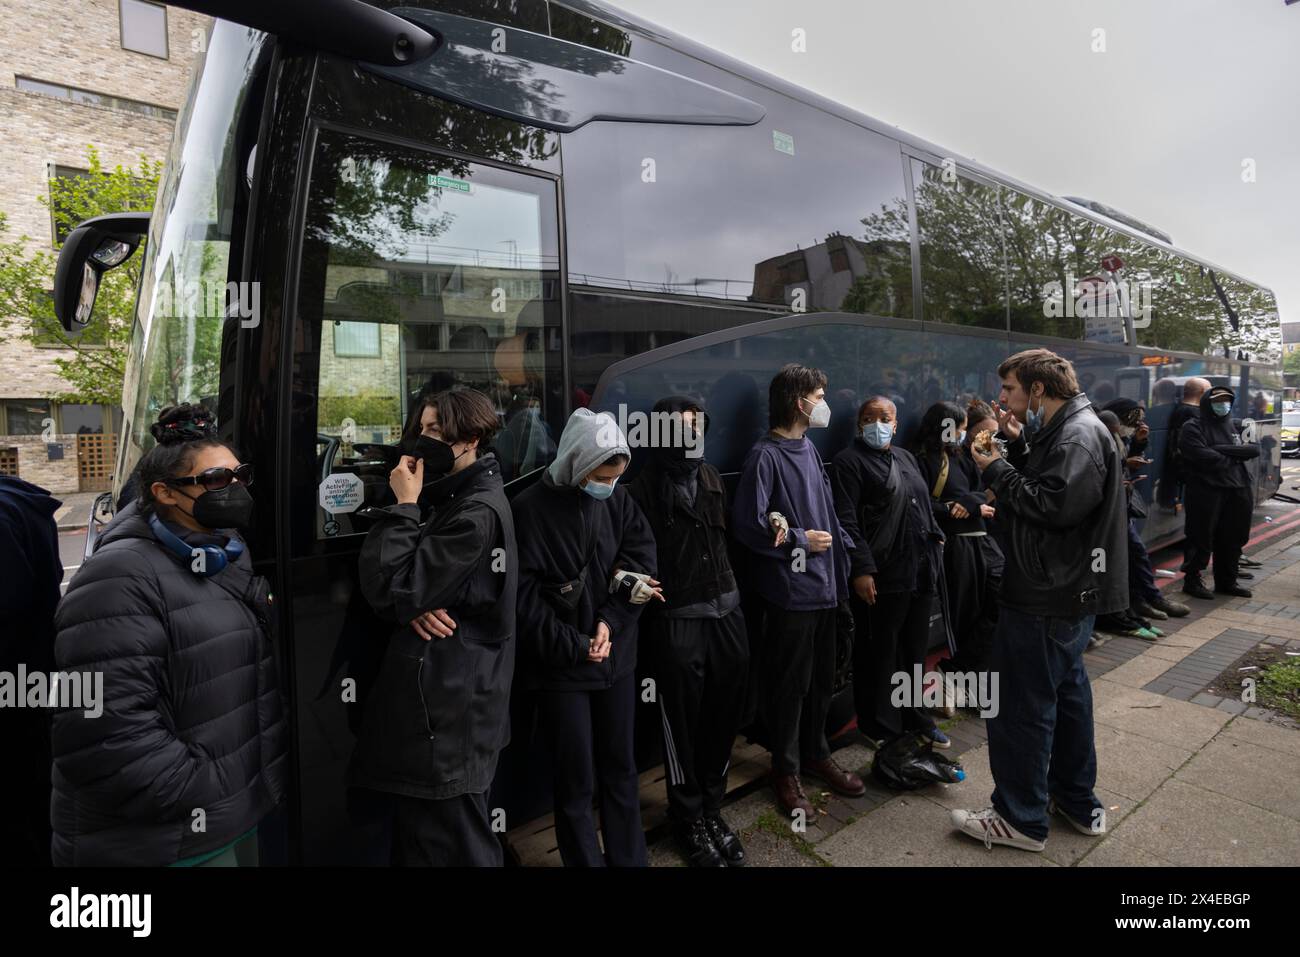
point(1218, 525)
point(701, 668)
point(973, 582)
point(895, 638)
point(798, 678)
point(590, 738)
point(450, 832)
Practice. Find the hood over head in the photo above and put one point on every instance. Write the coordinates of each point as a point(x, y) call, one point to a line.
point(1218, 393)
point(588, 440)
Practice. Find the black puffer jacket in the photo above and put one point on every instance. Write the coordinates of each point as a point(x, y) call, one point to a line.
point(438, 714)
point(1061, 498)
point(1203, 463)
point(193, 718)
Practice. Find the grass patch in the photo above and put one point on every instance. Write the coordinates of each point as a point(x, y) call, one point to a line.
point(1279, 687)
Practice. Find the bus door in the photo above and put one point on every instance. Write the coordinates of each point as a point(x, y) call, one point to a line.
point(419, 266)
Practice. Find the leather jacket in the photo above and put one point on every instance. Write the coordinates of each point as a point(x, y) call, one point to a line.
point(1062, 500)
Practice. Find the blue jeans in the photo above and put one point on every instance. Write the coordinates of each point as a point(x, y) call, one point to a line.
point(1141, 577)
point(1041, 741)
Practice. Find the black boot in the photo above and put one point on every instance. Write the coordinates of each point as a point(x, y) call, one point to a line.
point(1192, 585)
point(1234, 589)
point(725, 840)
point(697, 845)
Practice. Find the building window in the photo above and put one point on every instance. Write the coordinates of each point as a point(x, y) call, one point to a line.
point(26, 416)
point(144, 27)
point(77, 419)
point(74, 95)
point(358, 340)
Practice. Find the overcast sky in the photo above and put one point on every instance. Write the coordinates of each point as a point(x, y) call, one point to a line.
point(1157, 126)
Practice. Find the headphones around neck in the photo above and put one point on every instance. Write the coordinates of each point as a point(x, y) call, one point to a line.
point(204, 560)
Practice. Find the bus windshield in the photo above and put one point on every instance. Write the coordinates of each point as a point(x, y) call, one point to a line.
point(176, 338)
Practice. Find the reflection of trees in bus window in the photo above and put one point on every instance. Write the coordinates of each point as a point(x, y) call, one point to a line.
point(421, 273)
point(960, 223)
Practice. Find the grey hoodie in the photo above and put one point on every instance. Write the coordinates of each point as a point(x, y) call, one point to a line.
point(589, 439)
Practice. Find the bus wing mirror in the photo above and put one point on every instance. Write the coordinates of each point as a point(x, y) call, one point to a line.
point(93, 248)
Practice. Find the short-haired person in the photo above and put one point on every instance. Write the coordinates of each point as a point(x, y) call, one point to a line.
point(1172, 476)
point(1218, 495)
point(1060, 490)
point(586, 567)
point(169, 610)
point(441, 564)
point(883, 503)
point(784, 512)
point(694, 642)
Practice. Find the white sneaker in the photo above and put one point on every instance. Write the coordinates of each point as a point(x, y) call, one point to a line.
point(1096, 830)
point(990, 827)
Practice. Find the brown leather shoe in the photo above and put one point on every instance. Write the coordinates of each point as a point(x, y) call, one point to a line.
point(789, 795)
point(835, 777)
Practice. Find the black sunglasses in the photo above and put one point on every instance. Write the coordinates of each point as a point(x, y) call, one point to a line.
point(218, 478)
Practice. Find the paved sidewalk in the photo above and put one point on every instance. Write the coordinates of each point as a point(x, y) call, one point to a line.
point(74, 513)
point(1188, 778)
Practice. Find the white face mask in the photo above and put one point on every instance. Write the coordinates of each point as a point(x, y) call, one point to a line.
point(820, 416)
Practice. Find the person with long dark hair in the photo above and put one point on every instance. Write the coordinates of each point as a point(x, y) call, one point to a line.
point(961, 508)
point(190, 751)
point(441, 564)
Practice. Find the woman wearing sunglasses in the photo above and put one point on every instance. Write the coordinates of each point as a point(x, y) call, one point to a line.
point(184, 753)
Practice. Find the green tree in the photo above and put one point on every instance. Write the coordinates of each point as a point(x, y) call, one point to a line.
point(95, 369)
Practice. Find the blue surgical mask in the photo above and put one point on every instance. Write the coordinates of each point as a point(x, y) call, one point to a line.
point(1033, 420)
point(1221, 408)
point(877, 434)
point(599, 490)
point(961, 437)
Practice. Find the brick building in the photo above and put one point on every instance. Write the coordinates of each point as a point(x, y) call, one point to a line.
point(112, 73)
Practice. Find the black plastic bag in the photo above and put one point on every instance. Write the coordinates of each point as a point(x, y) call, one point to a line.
point(907, 763)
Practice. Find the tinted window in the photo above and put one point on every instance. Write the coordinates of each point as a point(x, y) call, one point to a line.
point(420, 273)
point(1057, 282)
point(605, 329)
point(732, 378)
point(962, 277)
point(781, 212)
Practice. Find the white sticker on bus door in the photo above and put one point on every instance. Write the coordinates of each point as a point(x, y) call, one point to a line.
point(341, 493)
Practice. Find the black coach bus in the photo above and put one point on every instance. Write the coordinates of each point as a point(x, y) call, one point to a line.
point(562, 206)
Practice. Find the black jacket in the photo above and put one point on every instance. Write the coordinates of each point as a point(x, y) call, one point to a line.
point(30, 574)
point(437, 715)
point(692, 539)
point(193, 717)
point(1202, 463)
point(1061, 499)
point(858, 477)
point(963, 485)
point(554, 524)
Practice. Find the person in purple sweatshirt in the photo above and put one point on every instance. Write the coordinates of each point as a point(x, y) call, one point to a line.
point(784, 512)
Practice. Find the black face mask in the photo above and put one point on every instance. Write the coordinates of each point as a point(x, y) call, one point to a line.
point(437, 455)
point(229, 507)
